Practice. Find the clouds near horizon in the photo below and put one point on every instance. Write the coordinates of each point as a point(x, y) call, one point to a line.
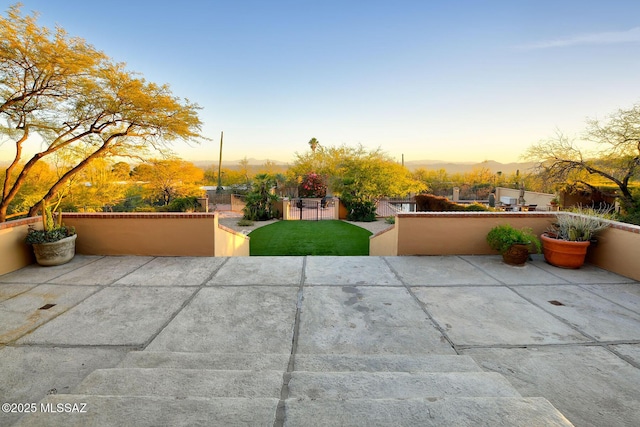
point(602, 38)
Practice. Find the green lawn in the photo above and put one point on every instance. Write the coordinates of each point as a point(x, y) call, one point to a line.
point(310, 238)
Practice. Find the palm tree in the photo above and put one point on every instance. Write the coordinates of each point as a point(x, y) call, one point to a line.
point(313, 143)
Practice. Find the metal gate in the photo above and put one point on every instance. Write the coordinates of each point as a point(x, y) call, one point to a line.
point(312, 209)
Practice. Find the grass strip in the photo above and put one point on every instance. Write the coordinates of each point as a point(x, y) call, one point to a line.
point(332, 237)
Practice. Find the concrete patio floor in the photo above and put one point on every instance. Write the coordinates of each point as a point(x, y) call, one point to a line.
point(295, 340)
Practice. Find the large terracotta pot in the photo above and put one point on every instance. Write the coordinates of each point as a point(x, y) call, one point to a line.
point(55, 253)
point(563, 253)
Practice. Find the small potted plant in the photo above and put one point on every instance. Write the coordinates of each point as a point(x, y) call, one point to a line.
point(514, 244)
point(55, 244)
point(565, 243)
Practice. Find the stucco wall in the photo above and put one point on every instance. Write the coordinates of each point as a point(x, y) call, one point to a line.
point(618, 250)
point(175, 234)
point(450, 233)
point(14, 252)
point(230, 242)
point(384, 243)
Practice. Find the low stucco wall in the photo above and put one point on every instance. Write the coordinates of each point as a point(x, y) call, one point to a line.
point(14, 252)
point(384, 243)
point(458, 233)
point(230, 242)
point(464, 233)
point(155, 234)
point(618, 250)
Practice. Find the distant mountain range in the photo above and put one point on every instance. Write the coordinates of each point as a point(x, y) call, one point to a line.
point(462, 167)
point(450, 167)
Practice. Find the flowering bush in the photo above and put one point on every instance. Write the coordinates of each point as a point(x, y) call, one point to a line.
point(312, 185)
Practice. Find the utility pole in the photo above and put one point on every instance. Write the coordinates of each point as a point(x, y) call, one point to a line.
point(219, 188)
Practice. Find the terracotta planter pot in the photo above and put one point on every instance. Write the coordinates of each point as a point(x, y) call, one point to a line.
point(516, 255)
point(55, 253)
point(563, 253)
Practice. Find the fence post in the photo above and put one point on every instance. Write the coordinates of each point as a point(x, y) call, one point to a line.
point(285, 208)
point(336, 207)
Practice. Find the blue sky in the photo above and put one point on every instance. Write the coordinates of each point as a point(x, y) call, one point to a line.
point(449, 80)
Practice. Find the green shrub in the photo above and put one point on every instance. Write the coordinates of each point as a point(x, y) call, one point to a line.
point(359, 209)
point(475, 207)
point(502, 237)
point(184, 204)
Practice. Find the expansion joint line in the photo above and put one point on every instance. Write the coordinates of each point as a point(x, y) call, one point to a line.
point(423, 307)
point(286, 377)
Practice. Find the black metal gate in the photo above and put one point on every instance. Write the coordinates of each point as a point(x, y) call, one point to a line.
point(312, 209)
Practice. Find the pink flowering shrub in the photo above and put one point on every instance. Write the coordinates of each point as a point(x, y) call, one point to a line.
point(312, 185)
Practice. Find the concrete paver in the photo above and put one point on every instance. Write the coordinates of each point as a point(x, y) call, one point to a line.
point(252, 319)
point(369, 319)
point(529, 274)
point(493, 316)
point(173, 271)
point(103, 271)
point(589, 385)
point(340, 271)
point(9, 290)
point(25, 312)
point(627, 295)
point(269, 270)
point(113, 316)
point(589, 313)
point(366, 320)
point(587, 274)
point(438, 271)
point(37, 274)
point(630, 351)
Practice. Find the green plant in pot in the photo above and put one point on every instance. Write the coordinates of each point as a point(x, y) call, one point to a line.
point(514, 244)
point(55, 244)
point(565, 243)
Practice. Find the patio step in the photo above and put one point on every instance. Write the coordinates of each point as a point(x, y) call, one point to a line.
point(151, 411)
point(385, 363)
point(216, 361)
point(165, 388)
point(398, 385)
point(303, 362)
point(447, 411)
point(182, 383)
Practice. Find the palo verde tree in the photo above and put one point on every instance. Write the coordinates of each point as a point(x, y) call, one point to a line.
point(360, 177)
point(615, 160)
point(168, 179)
point(76, 100)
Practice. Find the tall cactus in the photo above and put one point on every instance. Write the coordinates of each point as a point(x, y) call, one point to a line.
point(47, 217)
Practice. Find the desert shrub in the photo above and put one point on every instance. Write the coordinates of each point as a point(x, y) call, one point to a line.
point(431, 203)
point(359, 209)
point(184, 204)
point(475, 207)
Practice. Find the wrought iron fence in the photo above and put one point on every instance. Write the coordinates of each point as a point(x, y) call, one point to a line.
point(312, 209)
